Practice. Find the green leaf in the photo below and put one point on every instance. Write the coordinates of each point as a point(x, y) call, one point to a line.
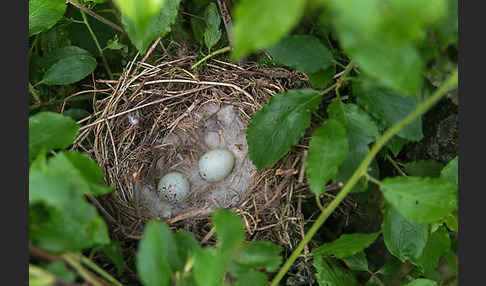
point(452, 221)
point(404, 239)
point(76, 113)
point(153, 254)
point(422, 282)
point(198, 27)
point(383, 38)
point(322, 78)
point(357, 262)
point(331, 273)
point(260, 254)
point(69, 70)
point(447, 28)
point(346, 245)
point(114, 44)
point(43, 14)
point(187, 245)
point(158, 26)
point(140, 12)
point(62, 273)
point(252, 278)
point(73, 227)
point(114, 251)
point(55, 38)
point(212, 34)
point(438, 244)
point(49, 131)
point(302, 52)
point(279, 125)
point(209, 267)
point(395, 144)
point(424, 168)
point(389, 108)
point(260, 24)
point(421, 199)
point(78, 165)
point(361, 130)
point(451, 171)
point(229, 229)
point(327, 150)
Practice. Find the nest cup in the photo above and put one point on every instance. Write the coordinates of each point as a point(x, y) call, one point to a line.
point(161, 117)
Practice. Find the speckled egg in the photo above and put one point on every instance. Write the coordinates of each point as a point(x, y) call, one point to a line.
point(173, 187)
point(216, 164)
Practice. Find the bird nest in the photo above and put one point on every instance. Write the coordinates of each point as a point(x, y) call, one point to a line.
point(163, 116)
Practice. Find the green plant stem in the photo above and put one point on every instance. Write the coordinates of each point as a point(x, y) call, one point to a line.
point(96, 16)
point(100, 271)
point(73, 261)
point(362, 170)
point(95, 39)
point(220, 51)
point(390, 159)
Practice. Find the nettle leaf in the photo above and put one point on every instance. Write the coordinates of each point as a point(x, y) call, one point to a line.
point(114, 251)
point(55, 38)
point(404, 239)
point(331, 273)
point(158, 26)
point(361, 130)
point(424, 168)
point(187, 245)
point(346, 245)
point(322, 78)
point(79, 166)
point(452, 221)
point(260, 24)
point(451, 171)
point(252, 278)
point(383, 39)
point(422, 282)
point(420, 199)
point(73, 226)
point(154, 253)
point(212, 34)
point(139, 12)
point(357, 262)
point(302, 52)
point(395, 144)
point(279, 125)
point(49, 131)
point(69, 70)
point(389, 108)
point(209, 267)
point(229, 229)
point(327, 150)
point(51, 58)
point(439, 243)
point(61, 271)
point(260, 254)
point(43, 14)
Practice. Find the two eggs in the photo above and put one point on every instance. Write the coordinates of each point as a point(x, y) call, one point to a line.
point(214, 166)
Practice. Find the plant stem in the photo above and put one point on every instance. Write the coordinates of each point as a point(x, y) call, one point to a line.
point(362, 170)
point(100, 271)
point(73, 261)
point(390, 159)
point(96, 16)
point(105, 62)
point(220, 51)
